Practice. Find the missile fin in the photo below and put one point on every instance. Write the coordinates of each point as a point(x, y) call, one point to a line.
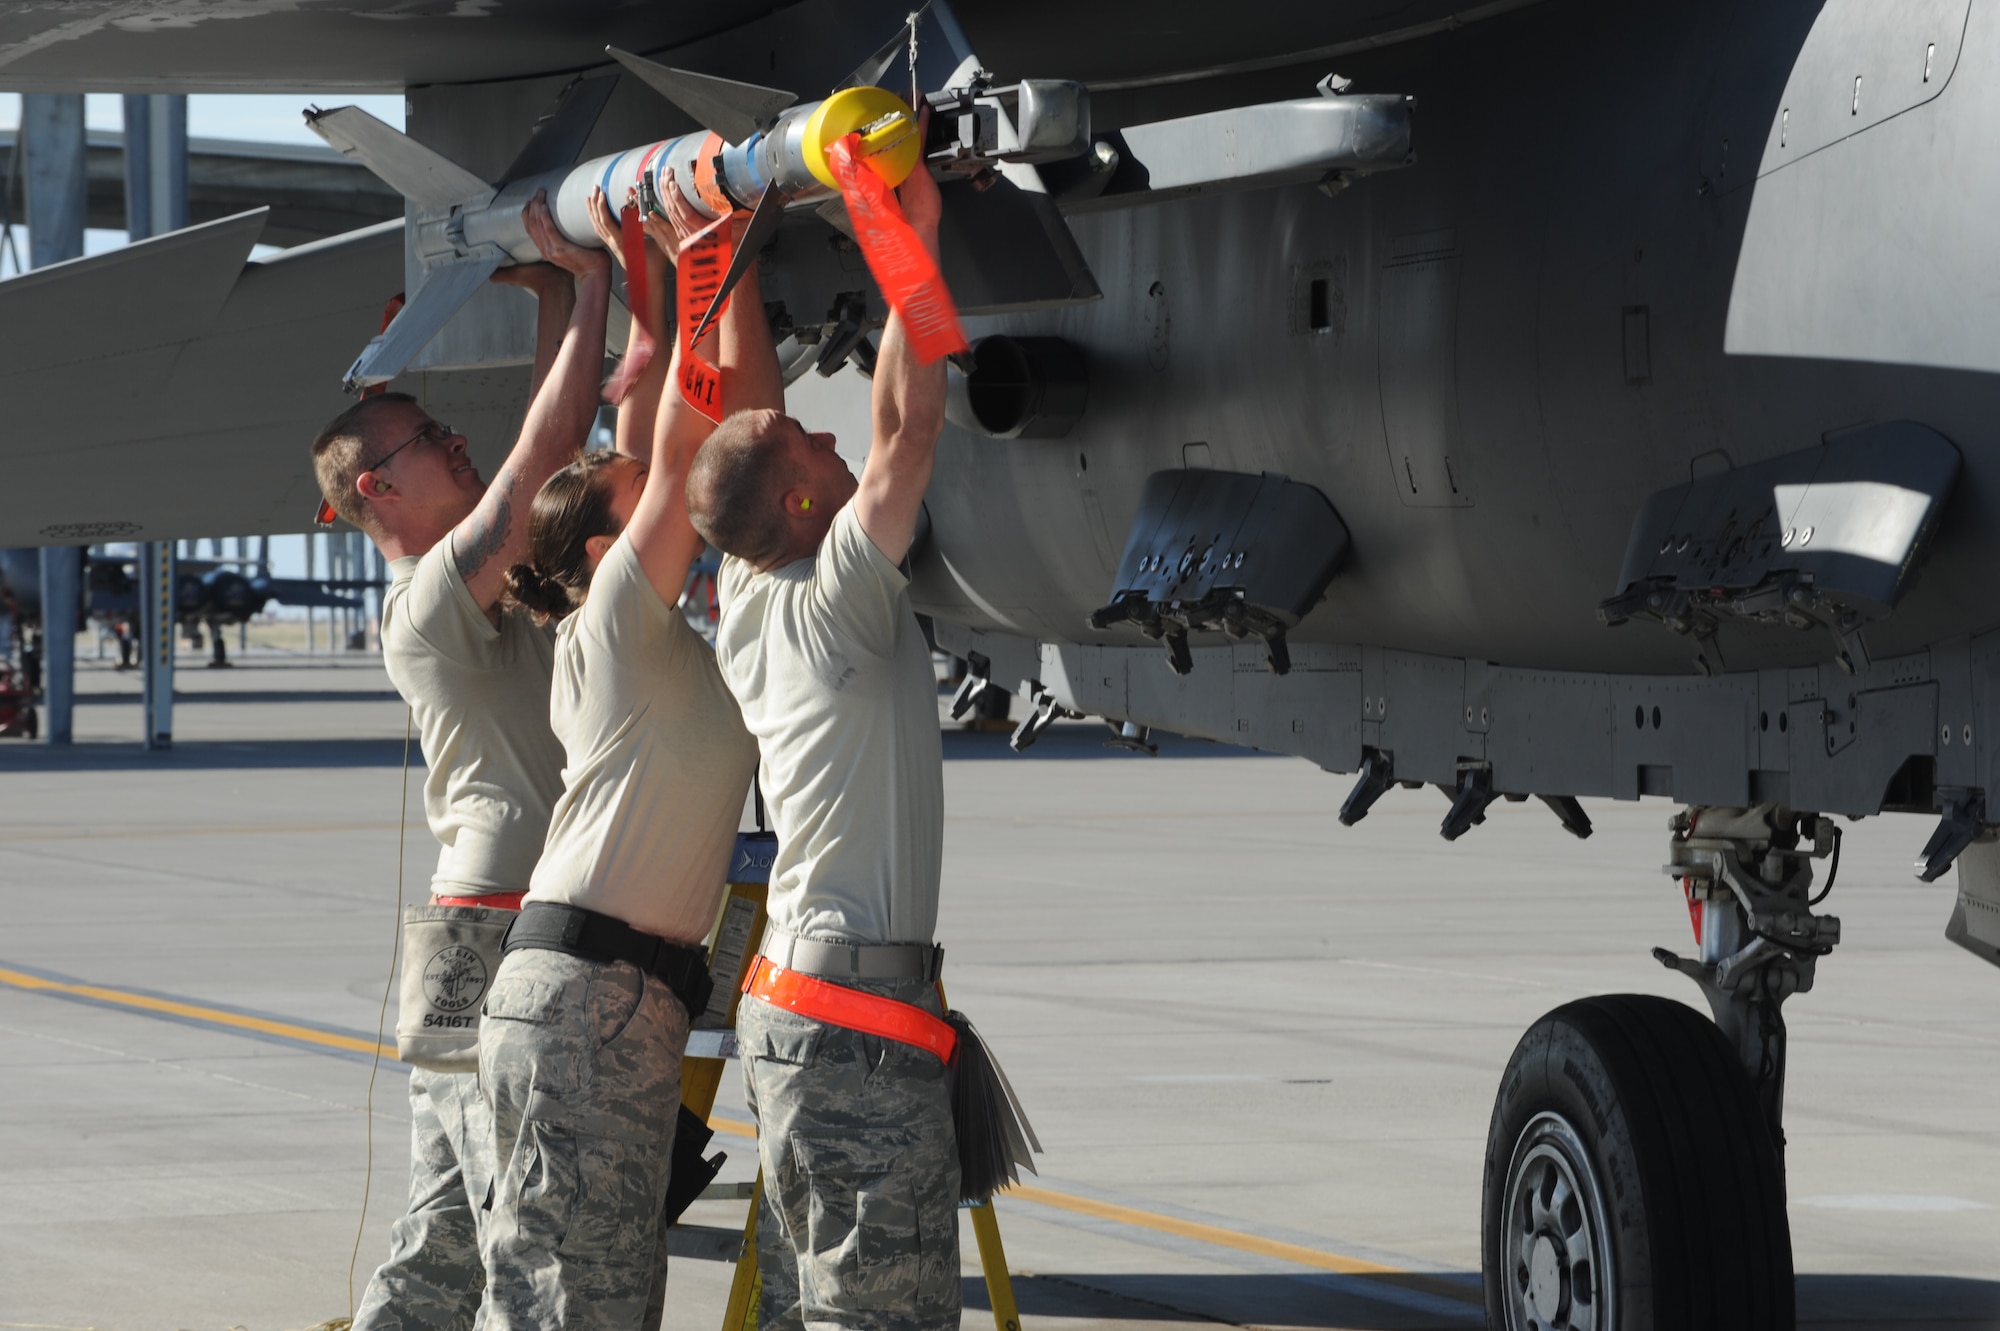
point(764, 223)
point(723, 106)
point(445, 290)
point(422, 175)
point(558, 137)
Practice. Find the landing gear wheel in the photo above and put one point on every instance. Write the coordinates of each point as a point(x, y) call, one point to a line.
point(1631, 1184)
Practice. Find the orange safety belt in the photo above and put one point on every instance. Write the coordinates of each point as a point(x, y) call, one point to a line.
point(837, 1005)
point(494, 900)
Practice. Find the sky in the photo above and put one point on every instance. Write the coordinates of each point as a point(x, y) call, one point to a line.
point(267, 118)
point(272, 118)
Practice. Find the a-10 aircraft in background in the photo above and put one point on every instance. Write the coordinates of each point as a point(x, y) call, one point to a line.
point(211, 595)
point(1531, 400)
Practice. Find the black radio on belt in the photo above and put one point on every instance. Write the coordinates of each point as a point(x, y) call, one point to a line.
point(555, 927)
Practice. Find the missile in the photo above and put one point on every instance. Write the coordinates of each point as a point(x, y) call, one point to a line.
point(1027, 150)
point(760, 150)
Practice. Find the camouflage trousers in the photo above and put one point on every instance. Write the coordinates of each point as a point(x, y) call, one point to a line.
point(859, 1222)
point(582, 1063)
point(433, 1279)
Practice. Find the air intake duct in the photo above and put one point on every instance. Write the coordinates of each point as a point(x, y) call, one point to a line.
point(1025, 387)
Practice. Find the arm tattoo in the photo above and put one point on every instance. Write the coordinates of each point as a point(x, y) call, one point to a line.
point(485, 532)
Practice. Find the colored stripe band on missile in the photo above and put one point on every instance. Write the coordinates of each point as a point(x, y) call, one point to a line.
point(604, 182)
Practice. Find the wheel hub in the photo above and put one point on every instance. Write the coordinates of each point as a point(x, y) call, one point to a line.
point(1557, 1253)
point(1545, 1279)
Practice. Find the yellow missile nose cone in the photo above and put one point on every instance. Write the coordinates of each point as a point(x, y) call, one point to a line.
point(887, 126)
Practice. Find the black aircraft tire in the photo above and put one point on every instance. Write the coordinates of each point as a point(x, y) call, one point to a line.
point(1631, 1184)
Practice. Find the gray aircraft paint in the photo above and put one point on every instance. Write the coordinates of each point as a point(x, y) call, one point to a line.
point(1636, 247)
point(1486, 301)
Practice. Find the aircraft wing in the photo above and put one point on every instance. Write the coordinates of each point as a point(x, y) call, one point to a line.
point(390, 45)
point(171, 388)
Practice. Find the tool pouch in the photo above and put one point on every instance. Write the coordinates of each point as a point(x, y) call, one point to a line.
point(692, 1172)
point(995, 1139)
point(450, 954)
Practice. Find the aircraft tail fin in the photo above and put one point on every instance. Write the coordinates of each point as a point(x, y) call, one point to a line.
point(422, 175)
point(446, 288)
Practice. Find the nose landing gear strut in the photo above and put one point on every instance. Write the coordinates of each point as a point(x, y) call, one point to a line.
point(1634, 1166)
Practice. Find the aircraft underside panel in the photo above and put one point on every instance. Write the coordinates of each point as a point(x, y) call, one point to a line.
point(1901, 735)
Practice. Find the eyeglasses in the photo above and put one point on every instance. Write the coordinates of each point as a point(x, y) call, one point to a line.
point(434, 431)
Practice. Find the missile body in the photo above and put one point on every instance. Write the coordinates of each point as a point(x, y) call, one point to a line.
point(761, 152)
point(715, 177)
point(463, 228)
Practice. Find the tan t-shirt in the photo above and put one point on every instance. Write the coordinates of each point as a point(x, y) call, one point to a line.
point(481, 699)
point(658, 761)
point(836, 684)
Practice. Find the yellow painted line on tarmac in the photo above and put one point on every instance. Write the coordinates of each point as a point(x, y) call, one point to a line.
point(196, 1012)
point(1192, 1229)
point(1316, 1258)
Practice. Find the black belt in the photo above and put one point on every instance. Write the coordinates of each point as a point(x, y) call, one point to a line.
point(555, 927)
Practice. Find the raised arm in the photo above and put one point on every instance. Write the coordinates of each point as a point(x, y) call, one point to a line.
point(908, 408)
point(495, 535)
point(636, 414)
point(661, 535)
point(554, 291)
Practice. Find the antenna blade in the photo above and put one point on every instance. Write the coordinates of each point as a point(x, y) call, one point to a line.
point(723, 106)
point(558, 137)
point(422, 175)
point(763, 225)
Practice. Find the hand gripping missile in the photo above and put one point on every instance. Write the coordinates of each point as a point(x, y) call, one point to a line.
point(760, 151)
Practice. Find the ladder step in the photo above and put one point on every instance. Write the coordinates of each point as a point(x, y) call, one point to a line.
point(705, 1243)
point(728, 1192)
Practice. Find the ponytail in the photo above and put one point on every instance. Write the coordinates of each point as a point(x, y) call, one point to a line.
point(544, 598)
point(571, 507)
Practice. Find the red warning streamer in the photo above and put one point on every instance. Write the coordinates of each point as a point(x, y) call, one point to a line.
point(903, 268)
point(638, 295)
point(704, 260)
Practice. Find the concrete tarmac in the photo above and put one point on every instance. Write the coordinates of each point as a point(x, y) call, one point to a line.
point(1260, 1048)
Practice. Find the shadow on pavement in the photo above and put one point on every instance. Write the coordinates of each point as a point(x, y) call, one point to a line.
point(1411, 1302)
point(1325, 1302)
point(207, 755)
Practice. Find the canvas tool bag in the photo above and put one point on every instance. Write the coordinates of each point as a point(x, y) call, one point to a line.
point(450, 955)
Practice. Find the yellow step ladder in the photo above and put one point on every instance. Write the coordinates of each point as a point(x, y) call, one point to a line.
point(712, 1043)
